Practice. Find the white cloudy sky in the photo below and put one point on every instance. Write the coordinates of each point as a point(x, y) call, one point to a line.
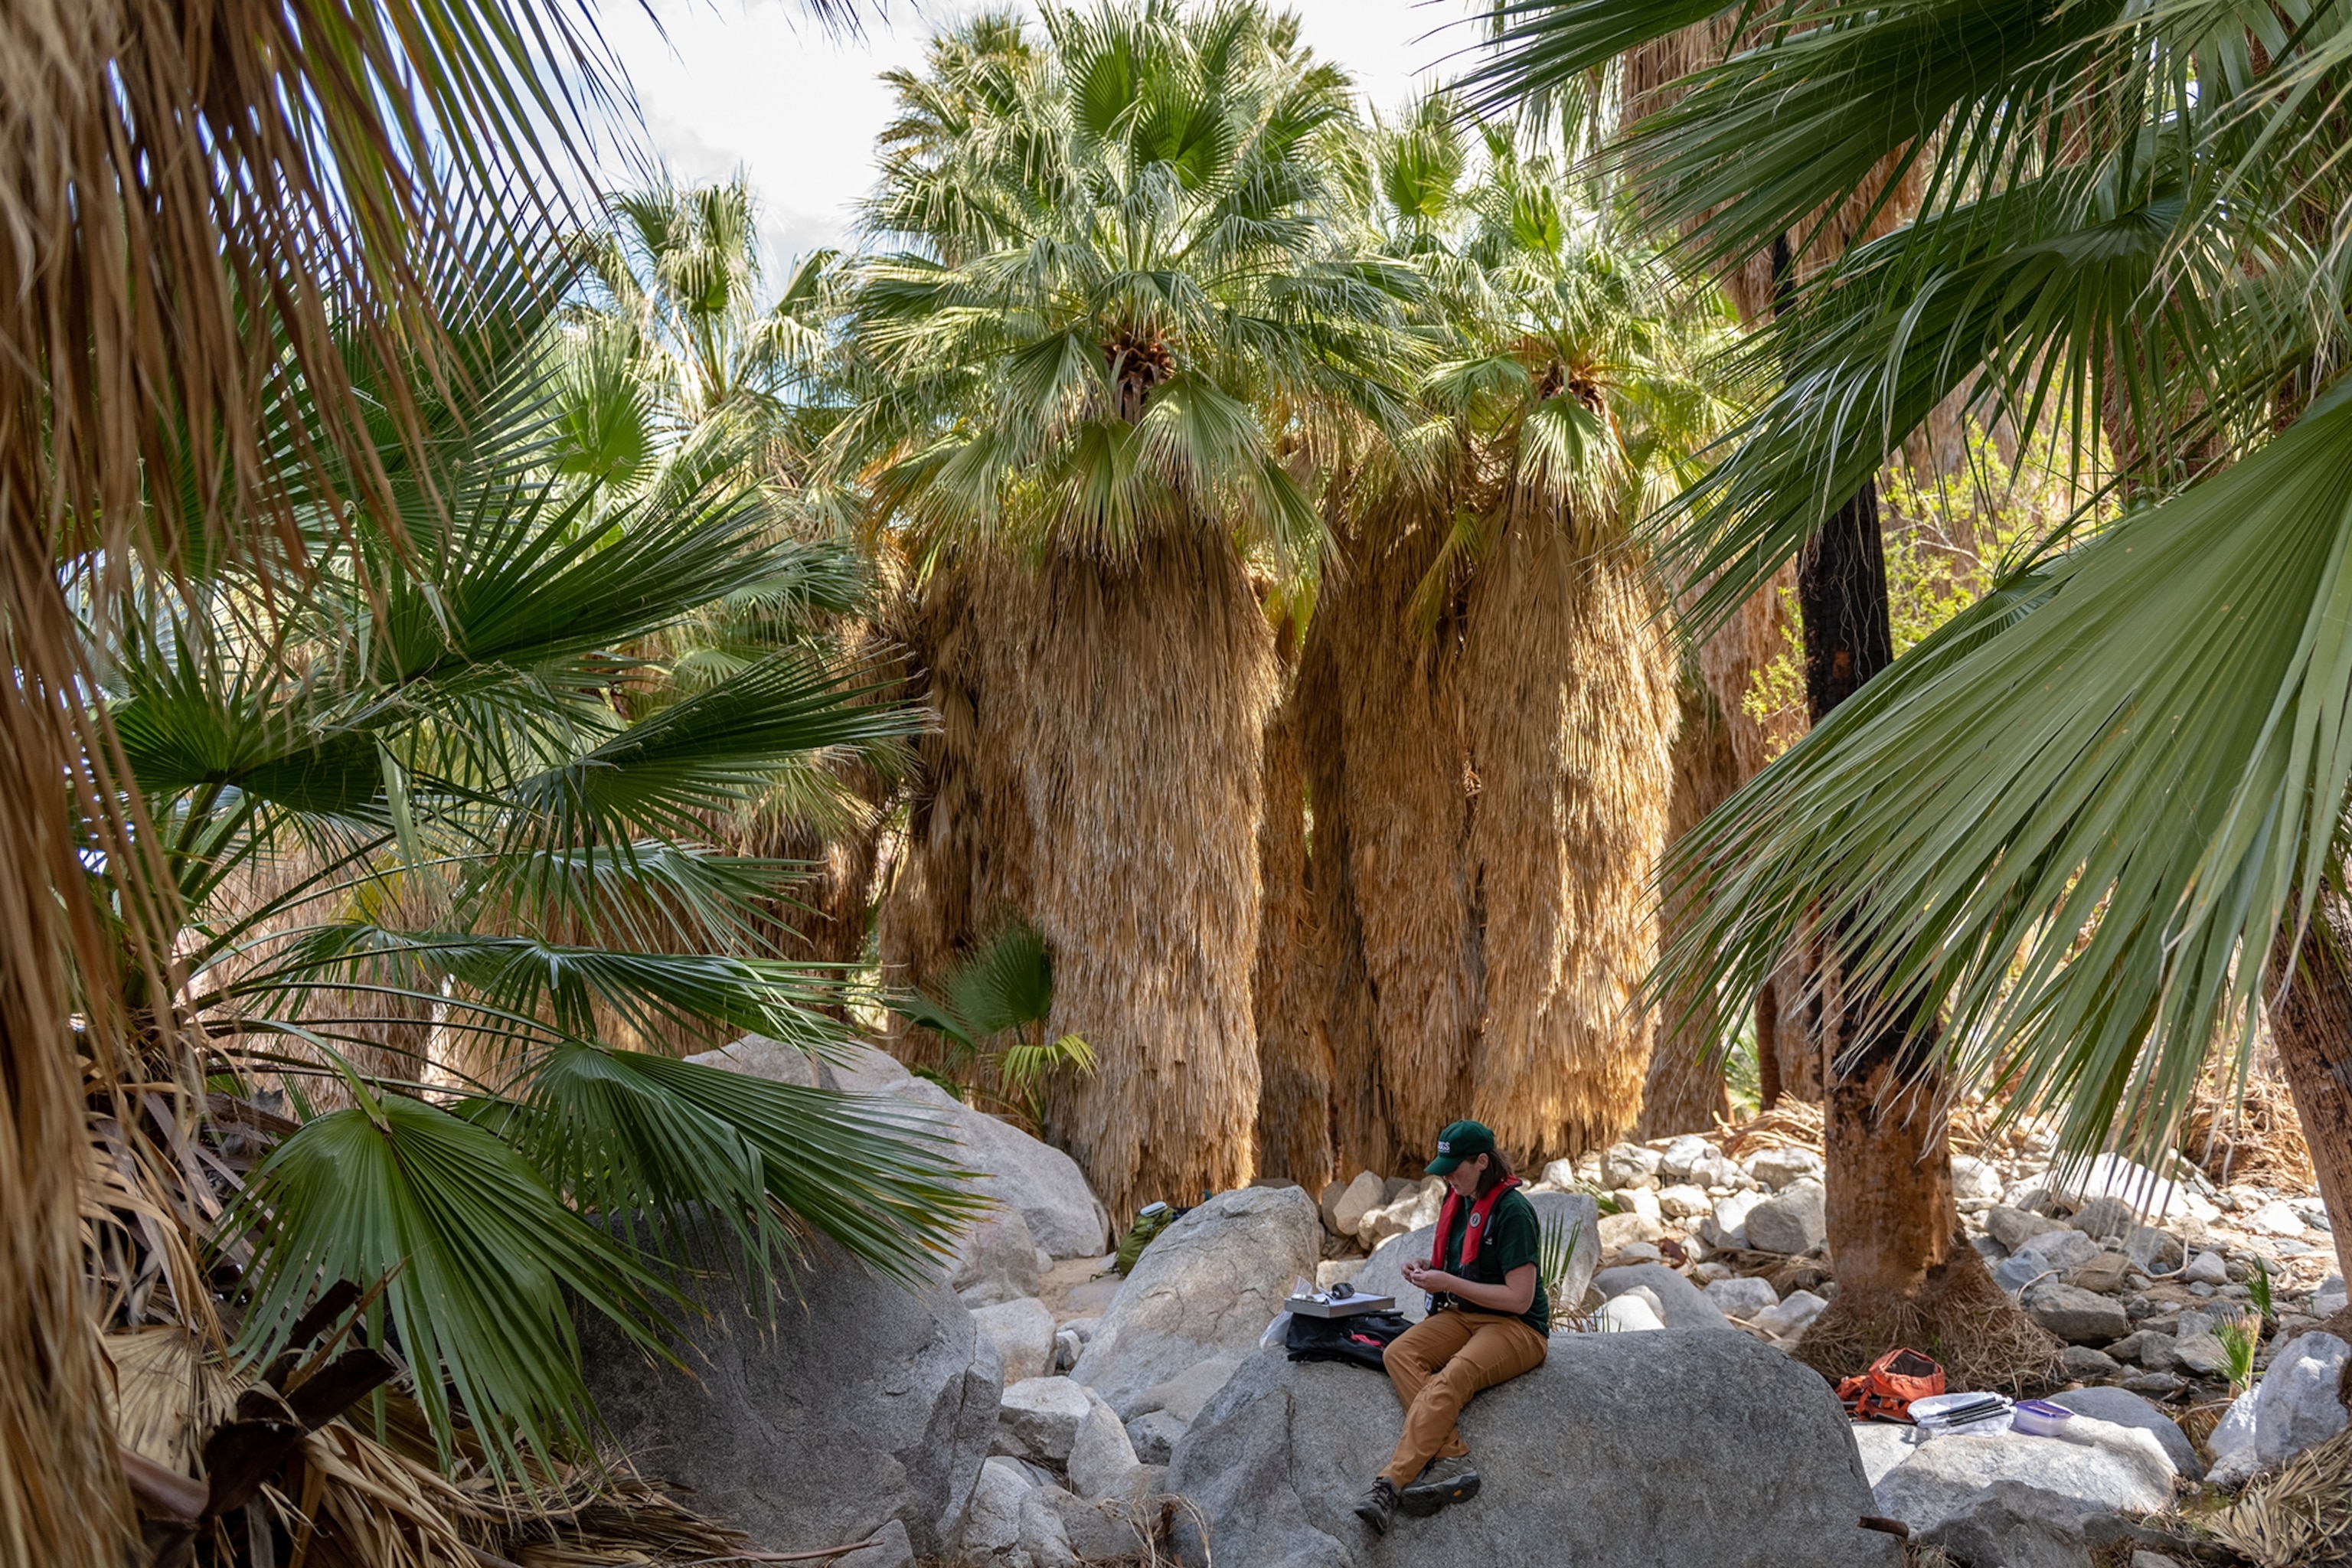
point(755, 85)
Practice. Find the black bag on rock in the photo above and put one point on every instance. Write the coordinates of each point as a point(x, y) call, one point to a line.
point(1359, 1338)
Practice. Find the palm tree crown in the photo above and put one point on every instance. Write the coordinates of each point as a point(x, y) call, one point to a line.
point(1121, 303)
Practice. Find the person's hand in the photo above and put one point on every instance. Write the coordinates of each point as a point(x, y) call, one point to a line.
point(1413, 1272)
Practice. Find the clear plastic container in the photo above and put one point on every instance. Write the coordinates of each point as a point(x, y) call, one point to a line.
point(2040, 1418)
point(1959, 1415)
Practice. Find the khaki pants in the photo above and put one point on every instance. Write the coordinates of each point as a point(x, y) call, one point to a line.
point(1437, 1364)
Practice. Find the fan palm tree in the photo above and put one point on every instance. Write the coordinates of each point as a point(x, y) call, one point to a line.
point(195, 199)
point(2084, 826)
point(1486, 707)
point(673, 306)
point(434, 818)
point(1119, 321)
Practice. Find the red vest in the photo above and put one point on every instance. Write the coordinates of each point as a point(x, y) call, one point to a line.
point(1480, 1213)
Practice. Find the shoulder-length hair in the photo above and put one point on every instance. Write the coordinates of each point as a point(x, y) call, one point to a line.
point(1497, 1172)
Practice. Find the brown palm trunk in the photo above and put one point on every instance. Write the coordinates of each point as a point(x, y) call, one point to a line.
point(1489, 799)
point(1684, 1091)
point(2311, 1021)
point(1906, 1276)
point(1294, 1105)
point(1096, 769)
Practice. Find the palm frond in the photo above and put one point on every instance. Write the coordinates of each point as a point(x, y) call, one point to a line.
point(2073, 818)
point(477, 1255)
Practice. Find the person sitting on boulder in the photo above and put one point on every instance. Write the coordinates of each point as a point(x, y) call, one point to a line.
point(1488, 1322)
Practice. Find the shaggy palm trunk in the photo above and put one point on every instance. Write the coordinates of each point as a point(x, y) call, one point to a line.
point(1392, 897)
point(1684, 1090)
point(1294, 1108)
point(1490, 797)
point(2311, 1022)
point(1718, 747)
point(1571, 717)
point(1096, 770)
point(1906, 1274)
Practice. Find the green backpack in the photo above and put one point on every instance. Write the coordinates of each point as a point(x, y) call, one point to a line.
point(1149, 1221)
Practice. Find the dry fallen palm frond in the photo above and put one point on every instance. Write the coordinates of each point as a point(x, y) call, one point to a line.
point(2299, 1518)
point(1976, 1127)
point(1791, 1125)
point(2248, 1132)
point(377, 1506)
point(364, 1505)
point(170, 1389)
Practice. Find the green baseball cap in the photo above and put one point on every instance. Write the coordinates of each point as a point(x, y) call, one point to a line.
point(1461, 1140)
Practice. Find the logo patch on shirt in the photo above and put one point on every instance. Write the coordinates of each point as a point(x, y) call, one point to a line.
point(1474, 1219)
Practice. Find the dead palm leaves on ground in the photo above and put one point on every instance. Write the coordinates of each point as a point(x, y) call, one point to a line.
point(2249, 1132)
point(1791, 1125)
point(2299, 1518)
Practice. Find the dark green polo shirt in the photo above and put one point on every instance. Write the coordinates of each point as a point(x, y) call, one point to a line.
point(1514, 1236)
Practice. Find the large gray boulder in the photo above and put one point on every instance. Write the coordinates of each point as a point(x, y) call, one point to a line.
point(1102, 1460)
point(2232, 1443)
point(1208, 1285)
point(1045, 1184)
point(2012, 1525)
point(993, 1528)
point(1884, 1444)
point(2126, 1471)
point(2297, 1403)
point(863, 1409)
point(1020, 1518)
point(1184, 1395)
point(1622, 1451)
point(1384, 1273)
point(2051, 1253)
point(1023, 1333)
point(1040, 1418)
point(2077, 1316)
point(1794, 1220)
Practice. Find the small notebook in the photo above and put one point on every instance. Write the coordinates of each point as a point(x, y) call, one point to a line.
point(1318, 1305)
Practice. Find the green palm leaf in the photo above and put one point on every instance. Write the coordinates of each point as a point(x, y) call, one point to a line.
point(875, 1175)
point(711, 752)
point(2074, 817)
point(478, 1256)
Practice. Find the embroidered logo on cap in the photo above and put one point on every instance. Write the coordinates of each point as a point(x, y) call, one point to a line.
point(1444, 1147)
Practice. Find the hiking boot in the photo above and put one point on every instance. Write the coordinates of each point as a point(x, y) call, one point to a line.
point(1444, 1483)
point(1378, 1504)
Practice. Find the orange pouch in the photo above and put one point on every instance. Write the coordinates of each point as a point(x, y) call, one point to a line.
point(1884, 1393)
